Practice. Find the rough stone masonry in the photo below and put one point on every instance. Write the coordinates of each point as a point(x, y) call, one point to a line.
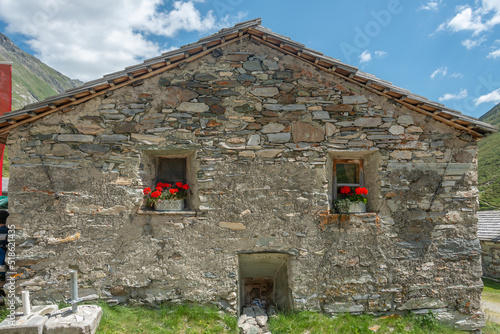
point(260, 131)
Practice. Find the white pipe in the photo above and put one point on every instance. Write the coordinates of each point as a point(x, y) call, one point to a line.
point(26, 302)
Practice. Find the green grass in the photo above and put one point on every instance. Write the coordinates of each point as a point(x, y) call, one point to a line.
point(187, 319)
point(316, 323)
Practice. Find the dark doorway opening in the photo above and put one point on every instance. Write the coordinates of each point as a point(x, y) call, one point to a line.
point(263, 278)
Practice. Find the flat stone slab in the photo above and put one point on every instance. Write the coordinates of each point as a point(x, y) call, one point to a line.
point(84, 321)
point(30, 324)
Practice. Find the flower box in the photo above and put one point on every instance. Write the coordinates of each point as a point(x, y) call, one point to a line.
point(357, 207)
point(169, 205)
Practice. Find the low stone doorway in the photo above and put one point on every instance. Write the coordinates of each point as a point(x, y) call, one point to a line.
point(263, 281)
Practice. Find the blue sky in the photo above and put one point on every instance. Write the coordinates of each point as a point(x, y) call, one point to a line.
point(447, 51)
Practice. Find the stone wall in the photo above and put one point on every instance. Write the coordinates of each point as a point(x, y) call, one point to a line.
point(260, 130)
point(490, 255)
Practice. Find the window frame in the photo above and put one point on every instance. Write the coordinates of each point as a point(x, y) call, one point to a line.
point(336, 185)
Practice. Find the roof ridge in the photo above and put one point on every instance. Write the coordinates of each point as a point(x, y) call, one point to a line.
point(263, 35)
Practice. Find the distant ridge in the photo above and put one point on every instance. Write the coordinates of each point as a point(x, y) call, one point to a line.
point(32, 80)
point(489, 164)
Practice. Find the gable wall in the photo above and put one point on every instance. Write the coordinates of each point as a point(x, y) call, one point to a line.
point(262, 131)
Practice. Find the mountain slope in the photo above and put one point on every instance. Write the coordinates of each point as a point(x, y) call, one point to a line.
point(32, 80)
point(489, 164)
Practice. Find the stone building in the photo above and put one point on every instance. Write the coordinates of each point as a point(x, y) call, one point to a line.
point(488, 233)
point(256, 123)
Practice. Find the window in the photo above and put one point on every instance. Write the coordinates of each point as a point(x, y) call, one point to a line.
point(171, 166)
point(171, 170)
point(347, 173)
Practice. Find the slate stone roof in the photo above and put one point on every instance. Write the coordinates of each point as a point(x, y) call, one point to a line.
point(489, 226)
point(134, 75)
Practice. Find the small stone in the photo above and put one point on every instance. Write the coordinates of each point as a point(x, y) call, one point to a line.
point(126, 127)
point(397, 129)
point(405, 120)
point(321, 115)
point(252, 65)
point(279, 138)
point(338, 108)
point(287, 87)
point(254, 140)
point(368, 122)
point(204, 77)
point(193, 107)
point(226, 93)
point(233, 226)
point(331, 129)
point(76, 138)
point(273, 128)
point(94, 149)
point(268, 154)
point(247, 154)
point(414, 129)
point(61, 150)
point(401, 155)
point(264, 91)
point(148, 139)
point(355, 99)
point(270, 64)
point(245, 77)
point(113, 138)
point(305, 132)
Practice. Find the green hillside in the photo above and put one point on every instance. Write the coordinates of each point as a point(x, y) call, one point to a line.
point(32, 80)
point(489, 164)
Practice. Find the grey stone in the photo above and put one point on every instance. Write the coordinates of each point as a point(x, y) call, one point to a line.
point(368, 122)
point(283, 137)
point(61, 150)
point(245, 77)
point(204, 77)
point(76, 138)
point(354, 99)
point(252, 65)
point(126, 127)
point(405, 120)
point(457, 249)
point(420, 303)
point(226, 93)
point(94, 149)
point(113, 138)
point(84, 321)
point(270, 64)
point(264, 91)
point(272, 128)
point(193, 107)
point(343, 308)
point(284, 107)
point(30, 324)
point(321, 114)
point(254, 140)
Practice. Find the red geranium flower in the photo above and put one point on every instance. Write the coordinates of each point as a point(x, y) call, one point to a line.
point(156, 194)
point(361, 191)
point(178, 184)
point(146, 191)
point(185, 187)
point(345, 190)
point(159, 189)
point(173, 191)
point(166, 185)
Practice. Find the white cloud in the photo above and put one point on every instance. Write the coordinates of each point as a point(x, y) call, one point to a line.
point(494, 54)
point(380, 54)
point(472, 43)
point(459, 96)
point(494, 97)
point(442, 71)
point(483, 17)
point(456, 75)
point(365, 57)
point(87, 39)
point(431, 5)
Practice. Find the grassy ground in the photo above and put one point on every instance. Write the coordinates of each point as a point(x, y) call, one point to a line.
point(167, 319)
point(190, 319)
point(491, 294)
